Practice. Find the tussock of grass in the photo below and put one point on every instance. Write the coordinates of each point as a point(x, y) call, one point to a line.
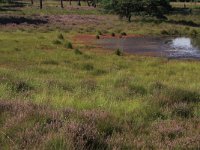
point(119, 52)
point(60, 36)
point(57, 42)
point(97, 36)
point(69, 45)
point(78, 52)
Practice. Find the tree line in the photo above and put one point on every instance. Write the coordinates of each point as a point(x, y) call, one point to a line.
point(128, 8)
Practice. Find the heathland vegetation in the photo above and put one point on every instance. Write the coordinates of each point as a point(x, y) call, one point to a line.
point(59, 90)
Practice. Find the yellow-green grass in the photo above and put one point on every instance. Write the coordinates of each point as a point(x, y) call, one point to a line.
point(58, 93)
point(186, 4)
point(49, 8)
point(61, 77)
point(136, 91)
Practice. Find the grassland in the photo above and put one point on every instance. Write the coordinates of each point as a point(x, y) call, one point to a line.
point(57, 92)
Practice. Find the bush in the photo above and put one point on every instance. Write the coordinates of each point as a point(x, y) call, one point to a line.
point(69, 45)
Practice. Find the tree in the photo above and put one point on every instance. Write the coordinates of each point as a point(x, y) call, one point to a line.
point(128, 8)
point(79, 2)
point(156, 8)
point(61, 3)
point(40, 4)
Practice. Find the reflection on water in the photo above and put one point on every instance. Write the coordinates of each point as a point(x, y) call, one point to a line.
point(179, 47)
point(184, 47)
point(182, 43)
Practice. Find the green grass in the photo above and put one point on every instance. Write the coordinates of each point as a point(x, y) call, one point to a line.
point(49, 8)
point(55, 97)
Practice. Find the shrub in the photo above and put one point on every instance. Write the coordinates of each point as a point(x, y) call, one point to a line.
point(118, 52)
point(69, 45)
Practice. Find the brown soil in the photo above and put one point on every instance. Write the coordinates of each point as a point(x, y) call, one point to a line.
point(90, 39)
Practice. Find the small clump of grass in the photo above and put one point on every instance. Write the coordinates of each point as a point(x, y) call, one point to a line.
point(78, 52)
point(88, 67)
point(182, 110)
point(123, 34)
point(119, 52)
point(60, 36)
point(57, 42)
point(99, 32)
point(17, 49)
point(97, 36)
point(164, 32)
point(113, 34)
point(69, 45)
point(194, 33)
point(21, 86)
point(50, 62)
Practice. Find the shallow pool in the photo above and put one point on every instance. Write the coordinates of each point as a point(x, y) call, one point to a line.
point(172, 47)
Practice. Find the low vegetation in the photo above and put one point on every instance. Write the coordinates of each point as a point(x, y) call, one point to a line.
point(59, 92)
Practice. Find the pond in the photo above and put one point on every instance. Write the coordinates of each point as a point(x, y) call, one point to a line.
point(171, 47)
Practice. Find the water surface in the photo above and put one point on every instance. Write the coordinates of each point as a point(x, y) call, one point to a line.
point(172, 47)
